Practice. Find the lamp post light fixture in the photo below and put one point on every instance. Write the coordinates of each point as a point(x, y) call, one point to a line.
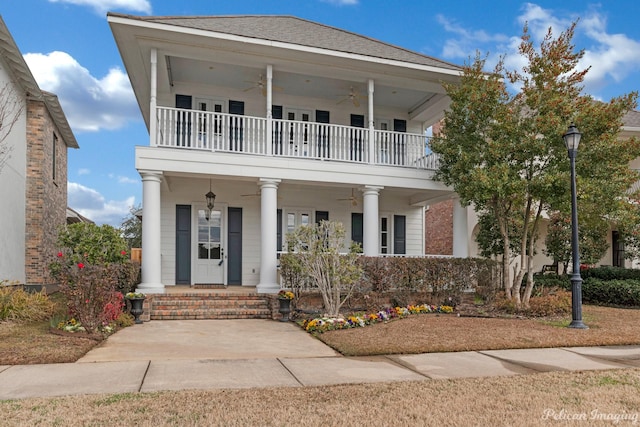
point(571, 141)
point(211, 198)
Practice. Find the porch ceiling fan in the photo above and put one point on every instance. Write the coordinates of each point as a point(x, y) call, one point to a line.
point(261, 84)
point(353, 198)
point(352, 96)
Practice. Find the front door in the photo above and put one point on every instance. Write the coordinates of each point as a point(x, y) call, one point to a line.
point(209, 246)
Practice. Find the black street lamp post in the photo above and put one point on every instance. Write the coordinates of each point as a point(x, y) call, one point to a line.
point(571, 140)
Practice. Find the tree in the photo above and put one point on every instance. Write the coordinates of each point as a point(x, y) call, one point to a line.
point(504, 153)
point(131, 228)
point(10, 110)
point(314, 257)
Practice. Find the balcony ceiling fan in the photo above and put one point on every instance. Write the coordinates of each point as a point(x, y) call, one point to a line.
point(353, 96)
point(353, 198)
point(261, 84)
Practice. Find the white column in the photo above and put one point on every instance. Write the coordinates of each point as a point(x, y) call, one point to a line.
point(460, 230)
point(269, 110)
point(268, 236)
point(151, 261)
point(372, 126)
point(370, 215)
point(153, 118)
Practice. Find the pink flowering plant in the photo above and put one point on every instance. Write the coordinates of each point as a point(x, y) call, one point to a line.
point(93, 270)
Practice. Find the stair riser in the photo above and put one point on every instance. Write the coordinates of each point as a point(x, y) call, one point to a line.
point(214, 306)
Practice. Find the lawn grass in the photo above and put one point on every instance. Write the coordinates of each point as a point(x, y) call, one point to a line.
point(429, 333)
point(524, 400)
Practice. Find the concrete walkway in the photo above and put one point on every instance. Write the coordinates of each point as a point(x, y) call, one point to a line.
point(202, 354)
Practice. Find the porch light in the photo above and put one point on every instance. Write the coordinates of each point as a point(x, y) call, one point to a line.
point(211, 198)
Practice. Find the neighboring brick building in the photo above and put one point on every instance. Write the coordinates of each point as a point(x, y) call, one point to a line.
point(33, 182)
point(438, 220)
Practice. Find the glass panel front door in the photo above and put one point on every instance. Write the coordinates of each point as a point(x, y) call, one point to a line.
point(209, 262)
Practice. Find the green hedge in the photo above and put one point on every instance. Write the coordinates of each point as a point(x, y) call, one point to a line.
point(610, 273)
point(614, 292)
point(437, 279)
point(550, 281)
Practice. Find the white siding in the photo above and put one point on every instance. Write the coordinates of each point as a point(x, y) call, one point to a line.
point(245, 195)
point(12, 195)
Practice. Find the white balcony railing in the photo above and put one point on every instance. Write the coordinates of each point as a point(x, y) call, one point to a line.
point(204, 130)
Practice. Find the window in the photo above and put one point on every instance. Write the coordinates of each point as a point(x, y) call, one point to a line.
point(357, 228)
point(209, 234)
point(384, 235)
point(296, 218)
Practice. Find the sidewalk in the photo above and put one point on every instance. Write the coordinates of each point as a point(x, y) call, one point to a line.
point(180, 355)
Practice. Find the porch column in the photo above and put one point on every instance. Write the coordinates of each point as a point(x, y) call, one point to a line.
point(460, 230)
point(268, 236)
point(370, 245)
point(153, 98)
point(269, 110)
point(372, 126)
point(151, 262)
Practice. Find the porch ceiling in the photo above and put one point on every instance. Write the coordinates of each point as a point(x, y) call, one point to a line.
point(202, 58)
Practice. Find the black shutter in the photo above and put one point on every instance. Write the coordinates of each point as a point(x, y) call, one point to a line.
point(399, 234)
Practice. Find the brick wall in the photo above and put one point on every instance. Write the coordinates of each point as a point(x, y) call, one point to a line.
point(439, 229)
point(46, 206)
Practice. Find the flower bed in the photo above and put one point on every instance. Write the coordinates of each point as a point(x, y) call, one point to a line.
point(322, 324)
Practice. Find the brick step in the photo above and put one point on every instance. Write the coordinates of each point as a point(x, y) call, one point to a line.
point(163, 304)
point(208, 297)
point(219, 305)
point(210, 314)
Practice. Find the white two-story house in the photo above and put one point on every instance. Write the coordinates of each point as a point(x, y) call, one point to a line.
point(287, 122)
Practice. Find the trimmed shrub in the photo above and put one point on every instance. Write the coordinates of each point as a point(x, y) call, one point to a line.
point(614, 292)
point(610, 273)
point(18, 305)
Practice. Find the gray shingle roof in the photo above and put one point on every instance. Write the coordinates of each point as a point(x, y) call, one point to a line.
point(631, 119)
point(290, 29)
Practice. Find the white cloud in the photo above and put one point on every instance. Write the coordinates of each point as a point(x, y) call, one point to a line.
point(90, 104)
point(91, 204)
point(103, 6)
point(127, 180)
point(83, 171)
point(612, 57)
point(341, 2)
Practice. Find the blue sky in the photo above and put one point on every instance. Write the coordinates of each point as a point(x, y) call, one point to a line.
point(70, 50)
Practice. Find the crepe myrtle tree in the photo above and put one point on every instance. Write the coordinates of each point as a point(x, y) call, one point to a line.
point(316, 250)
point(502, 150)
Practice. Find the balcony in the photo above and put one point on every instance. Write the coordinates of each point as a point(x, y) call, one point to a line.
point(221, 132)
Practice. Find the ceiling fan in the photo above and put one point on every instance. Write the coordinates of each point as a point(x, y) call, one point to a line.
point(261, 84)
point(353, 199)
point(352, 96)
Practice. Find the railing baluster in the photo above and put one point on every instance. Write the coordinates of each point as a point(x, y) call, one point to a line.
point(205, 130)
